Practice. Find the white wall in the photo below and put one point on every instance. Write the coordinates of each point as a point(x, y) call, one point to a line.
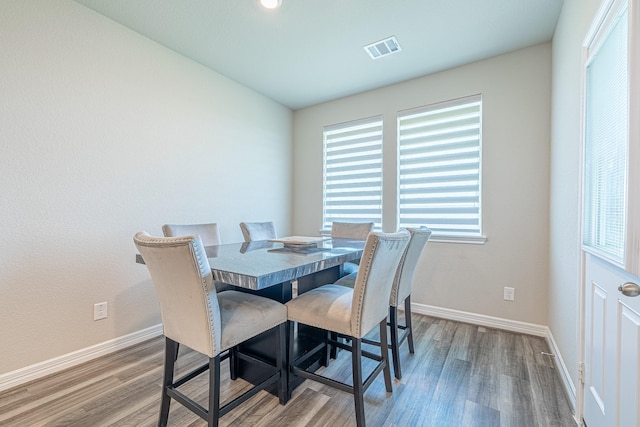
point(516, 91)
point(564, 242)
point(104, 133)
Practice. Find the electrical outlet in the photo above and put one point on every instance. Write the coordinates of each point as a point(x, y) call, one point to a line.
point(509, 294)
point(100, 311)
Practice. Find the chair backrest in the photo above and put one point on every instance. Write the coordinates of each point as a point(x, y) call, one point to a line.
point(403, 281)
point(207, 232)
point(258, 231)
point(184, 286)
point(255, 245)
point(380, 259)
point(351, 230)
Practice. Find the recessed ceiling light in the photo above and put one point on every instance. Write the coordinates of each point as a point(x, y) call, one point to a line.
point(383, 47)
point(271, 4)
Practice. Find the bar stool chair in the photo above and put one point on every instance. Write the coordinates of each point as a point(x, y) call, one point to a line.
point(210, 323)
point(351, 313)
point(208, 233)
point(350, 230)
point(258, 231)
point(400, 292)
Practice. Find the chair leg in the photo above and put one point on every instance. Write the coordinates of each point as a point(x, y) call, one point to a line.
point(171, 351)
point(234, 364)
point(334, 349)
point(329, 350)
point(358, 386)
point(291, 357)
point(384, 352)
point(407, 319)
point(281, 333)
point(214, 391)
point(395, 351)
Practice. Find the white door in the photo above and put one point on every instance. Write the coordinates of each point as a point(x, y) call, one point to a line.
point(611, 218)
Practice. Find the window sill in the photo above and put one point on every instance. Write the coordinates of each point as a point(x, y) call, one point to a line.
point(469, 240)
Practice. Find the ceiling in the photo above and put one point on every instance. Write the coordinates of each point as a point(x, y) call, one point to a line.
point(311, 51)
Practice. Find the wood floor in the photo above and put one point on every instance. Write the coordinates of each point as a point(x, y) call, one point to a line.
point(460, 375)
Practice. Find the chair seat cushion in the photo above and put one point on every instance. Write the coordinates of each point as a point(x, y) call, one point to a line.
point(348, 281)
point(327, 307)
point(244, 315)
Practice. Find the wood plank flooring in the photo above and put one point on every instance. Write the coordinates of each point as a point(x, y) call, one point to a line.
point(460, 375)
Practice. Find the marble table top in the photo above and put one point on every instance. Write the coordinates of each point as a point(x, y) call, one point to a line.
point(260, 264)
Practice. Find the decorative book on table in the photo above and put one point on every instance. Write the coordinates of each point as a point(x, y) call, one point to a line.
point(299, 241)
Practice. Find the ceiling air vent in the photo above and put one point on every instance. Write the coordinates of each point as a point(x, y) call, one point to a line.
point(383, 48)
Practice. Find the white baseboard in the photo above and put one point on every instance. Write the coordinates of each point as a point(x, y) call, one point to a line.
point(508, 325)
point(481, 319)
point(569, 386)
point(47, 367)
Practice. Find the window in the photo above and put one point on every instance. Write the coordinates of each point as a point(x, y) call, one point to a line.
point(353, 172)
point(439, 153)
point(606, 141)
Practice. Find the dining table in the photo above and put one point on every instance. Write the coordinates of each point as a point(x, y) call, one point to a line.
point(262, 264)
point(280, 270)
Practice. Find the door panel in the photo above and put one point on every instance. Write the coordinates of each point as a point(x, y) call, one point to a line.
point(612, 369)
point(629, 369)
point(596, 367)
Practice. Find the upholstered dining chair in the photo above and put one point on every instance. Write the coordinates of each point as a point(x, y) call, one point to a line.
point(208, 233)
point(400, 292)
point(211, 323)
point(258, 231)
point(352, 313)
point(350, 230)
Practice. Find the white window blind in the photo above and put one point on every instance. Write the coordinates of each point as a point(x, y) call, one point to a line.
point(439, 167)
point(353, 172)
point(606, 136)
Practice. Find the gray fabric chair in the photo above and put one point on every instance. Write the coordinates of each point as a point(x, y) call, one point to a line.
point(258, 231)
point(400, 292)
point(208, 234)
point(352, 313)
point(350, 230)
point(210, 323)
